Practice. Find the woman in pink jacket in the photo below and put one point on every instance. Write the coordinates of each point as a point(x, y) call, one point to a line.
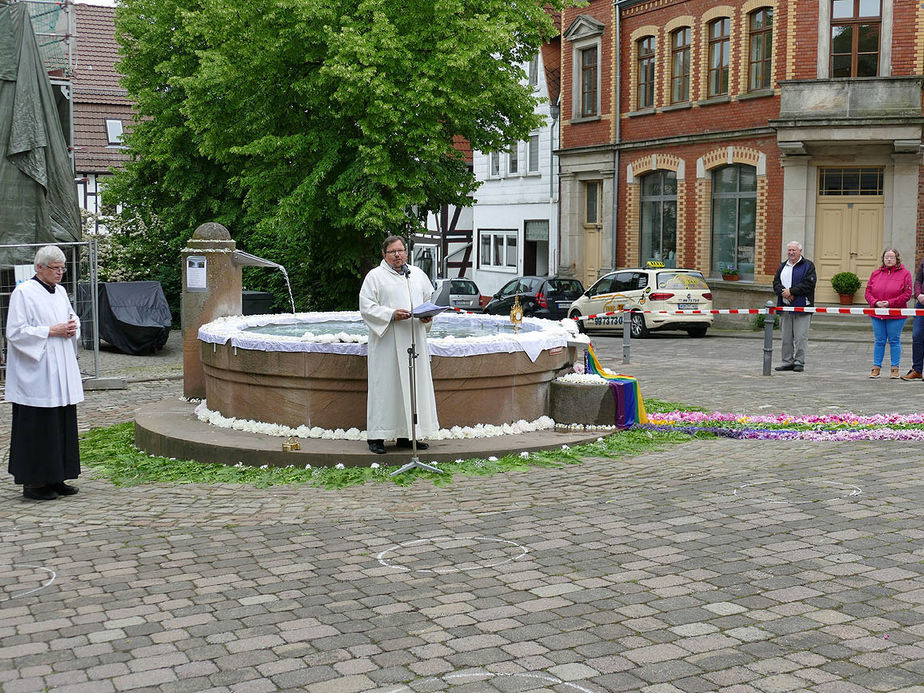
point(888, 287)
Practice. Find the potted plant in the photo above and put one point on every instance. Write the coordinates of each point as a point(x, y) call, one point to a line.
point(730, 274)
point(846, 284)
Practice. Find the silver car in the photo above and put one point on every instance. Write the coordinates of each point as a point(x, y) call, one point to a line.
point(457, 292)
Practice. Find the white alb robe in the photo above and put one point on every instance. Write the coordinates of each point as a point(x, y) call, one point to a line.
point(388, 406)
point(41, 371)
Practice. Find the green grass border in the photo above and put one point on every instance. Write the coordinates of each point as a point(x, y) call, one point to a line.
point(110, 452)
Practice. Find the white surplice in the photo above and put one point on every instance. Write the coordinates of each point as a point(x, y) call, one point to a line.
point(41, 371)
point(388, 408)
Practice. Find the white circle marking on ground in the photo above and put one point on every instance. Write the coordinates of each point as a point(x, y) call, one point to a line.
point(35, 589)
point(853, 489)
point(416, 542)
point(547, 678)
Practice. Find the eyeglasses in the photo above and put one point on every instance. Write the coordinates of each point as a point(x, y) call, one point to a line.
point(62, 270)
point(395, 253)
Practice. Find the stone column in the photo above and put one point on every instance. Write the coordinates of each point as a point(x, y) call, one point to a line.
point(219, 297)
point(796, 190)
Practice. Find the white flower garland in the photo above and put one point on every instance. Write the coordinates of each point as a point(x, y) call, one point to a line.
point(214, 418)
point(582, 379)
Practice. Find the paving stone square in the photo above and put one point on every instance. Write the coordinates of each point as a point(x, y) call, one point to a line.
point(713, 565)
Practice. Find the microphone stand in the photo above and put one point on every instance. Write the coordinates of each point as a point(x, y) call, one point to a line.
point(415, 462)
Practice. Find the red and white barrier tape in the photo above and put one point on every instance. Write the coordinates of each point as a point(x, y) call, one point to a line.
point(880, 312)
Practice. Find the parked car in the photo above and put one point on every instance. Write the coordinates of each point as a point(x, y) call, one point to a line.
point(540, 297)
point(647, 288)
point(457, 292)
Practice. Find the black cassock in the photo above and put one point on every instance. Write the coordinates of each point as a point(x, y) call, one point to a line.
point(43, 444)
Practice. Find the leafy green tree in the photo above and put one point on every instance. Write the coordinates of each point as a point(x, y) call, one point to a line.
point(312, 127)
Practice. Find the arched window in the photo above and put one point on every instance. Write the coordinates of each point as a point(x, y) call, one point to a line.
point(718, 56)
point(760, 34)
point(658, 231)
point(646, 72)
point(734, 219)
point(855, 28)
point(680, 65)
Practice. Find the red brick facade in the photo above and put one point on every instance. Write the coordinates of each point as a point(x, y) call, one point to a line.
point(746, 125)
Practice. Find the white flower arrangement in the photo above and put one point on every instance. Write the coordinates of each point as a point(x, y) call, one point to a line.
point(214, 418)
point(582, 379)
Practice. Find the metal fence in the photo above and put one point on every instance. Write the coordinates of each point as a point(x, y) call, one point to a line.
point(80, 281)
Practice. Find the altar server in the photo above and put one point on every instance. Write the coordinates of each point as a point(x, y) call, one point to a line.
point(389, 293)
point(43, 381)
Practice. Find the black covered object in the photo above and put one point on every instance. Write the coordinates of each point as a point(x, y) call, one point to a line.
point(134, 316)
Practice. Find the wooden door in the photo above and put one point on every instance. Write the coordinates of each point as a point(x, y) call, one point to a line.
point(848, 238)
point(593, 253)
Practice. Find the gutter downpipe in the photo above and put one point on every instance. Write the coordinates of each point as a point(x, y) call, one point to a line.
point(554, 211)
point(617, 114)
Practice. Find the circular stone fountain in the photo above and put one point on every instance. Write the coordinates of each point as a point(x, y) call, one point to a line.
point(310, 368)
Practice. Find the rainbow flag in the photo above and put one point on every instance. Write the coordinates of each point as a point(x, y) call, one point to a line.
point(630, 408)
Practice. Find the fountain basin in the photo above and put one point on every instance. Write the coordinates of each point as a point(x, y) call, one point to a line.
point(492, 376)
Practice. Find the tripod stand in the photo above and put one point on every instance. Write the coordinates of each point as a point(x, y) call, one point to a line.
point(412, 375)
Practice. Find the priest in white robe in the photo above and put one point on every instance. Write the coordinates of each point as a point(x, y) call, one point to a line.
point(388, 295)
point(43, 381)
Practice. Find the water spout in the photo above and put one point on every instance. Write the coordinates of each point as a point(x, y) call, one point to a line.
point(247, 260)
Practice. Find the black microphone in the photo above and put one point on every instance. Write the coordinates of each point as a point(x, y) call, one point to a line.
point(406, 271)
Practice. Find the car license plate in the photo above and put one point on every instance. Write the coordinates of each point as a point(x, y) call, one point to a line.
point(687, 306)
point(564, 304)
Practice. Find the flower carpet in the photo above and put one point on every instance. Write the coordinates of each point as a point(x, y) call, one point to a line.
point(831, 427)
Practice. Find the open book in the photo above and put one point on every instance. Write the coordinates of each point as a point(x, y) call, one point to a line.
point(428, 310)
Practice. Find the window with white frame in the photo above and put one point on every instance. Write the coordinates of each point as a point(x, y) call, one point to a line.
point(513, 159)
point(498, 249)
point(494, 165)
point(532, 153)
point(532, 71)
point(114, 132)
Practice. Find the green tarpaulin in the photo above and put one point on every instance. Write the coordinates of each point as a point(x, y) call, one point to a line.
point(38, 197)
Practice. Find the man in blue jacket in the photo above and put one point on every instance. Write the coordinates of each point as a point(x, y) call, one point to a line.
point(794, 285)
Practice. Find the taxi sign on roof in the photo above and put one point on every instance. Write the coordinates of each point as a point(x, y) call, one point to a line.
point(654, 264)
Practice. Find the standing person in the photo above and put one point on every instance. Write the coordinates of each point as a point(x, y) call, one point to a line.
point(917, 328)
point(889, 286)
point(794, 285)
point(388, 295)
point(43, 381)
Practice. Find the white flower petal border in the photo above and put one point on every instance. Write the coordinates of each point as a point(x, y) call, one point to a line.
point(214, 418)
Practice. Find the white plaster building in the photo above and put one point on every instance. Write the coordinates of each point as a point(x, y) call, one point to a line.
point(515, 213)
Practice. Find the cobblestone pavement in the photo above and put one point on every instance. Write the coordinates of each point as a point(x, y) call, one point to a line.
point(715, 565)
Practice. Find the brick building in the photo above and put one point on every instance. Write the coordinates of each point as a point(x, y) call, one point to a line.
point(709, 136)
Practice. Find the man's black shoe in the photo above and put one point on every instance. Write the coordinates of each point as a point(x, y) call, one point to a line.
point(38, 493)
point(786, 367)
point(406, 443)
point(63, 489)
point(798, 368)
point(377, 446)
